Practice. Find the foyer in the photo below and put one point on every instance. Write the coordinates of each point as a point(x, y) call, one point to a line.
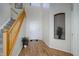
point(38, 21)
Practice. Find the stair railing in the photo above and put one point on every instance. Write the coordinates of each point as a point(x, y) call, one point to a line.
point(10, 35)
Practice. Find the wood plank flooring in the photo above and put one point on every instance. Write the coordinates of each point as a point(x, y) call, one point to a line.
point(39, 48)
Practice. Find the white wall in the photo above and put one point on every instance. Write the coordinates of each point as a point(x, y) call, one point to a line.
point(75, 29)
point(4, 13)
point(37, 23)
point(34, 23)
point(45, 25)
point(64, 45)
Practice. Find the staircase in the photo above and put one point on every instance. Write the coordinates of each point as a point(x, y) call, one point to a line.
point(10, 33)
point(7, 26)
point(7, 41)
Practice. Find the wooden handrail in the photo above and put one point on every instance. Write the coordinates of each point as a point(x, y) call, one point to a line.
point(10, 35)
point(21, 15)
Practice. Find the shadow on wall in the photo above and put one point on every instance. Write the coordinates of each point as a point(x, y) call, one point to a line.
point(0, 34)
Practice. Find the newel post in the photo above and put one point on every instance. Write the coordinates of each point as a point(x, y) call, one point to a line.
point(5, 42)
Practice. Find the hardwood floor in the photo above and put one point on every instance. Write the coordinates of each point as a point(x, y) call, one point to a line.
point(39, 48)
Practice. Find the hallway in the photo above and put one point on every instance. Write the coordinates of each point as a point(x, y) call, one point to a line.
point(39, 48)
point(38, 22)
